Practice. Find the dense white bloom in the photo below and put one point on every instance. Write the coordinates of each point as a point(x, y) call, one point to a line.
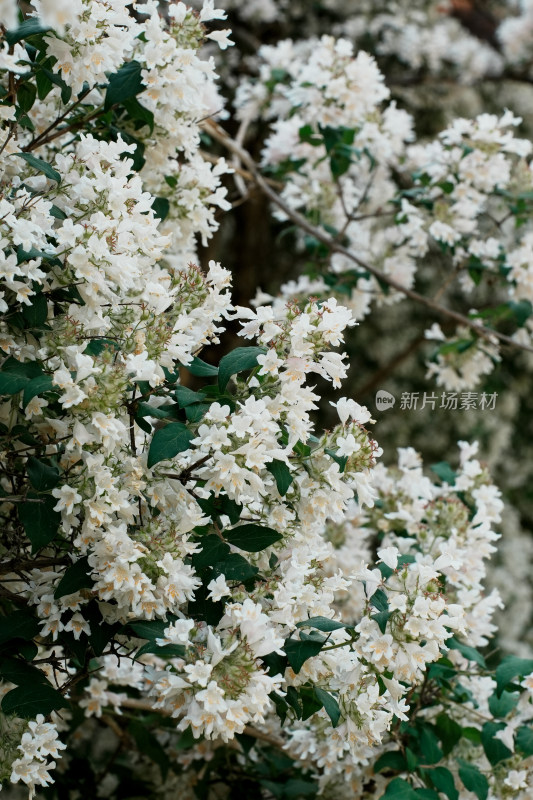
point(210, 525)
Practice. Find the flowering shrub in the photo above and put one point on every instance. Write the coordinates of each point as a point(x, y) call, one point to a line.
point(204, 593)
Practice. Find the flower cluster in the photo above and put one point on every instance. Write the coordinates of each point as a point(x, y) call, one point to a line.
point(37, 744)
point(336, 148)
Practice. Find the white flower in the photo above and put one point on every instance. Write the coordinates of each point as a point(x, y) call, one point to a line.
point(517, 779)
point(77, 625)
point(199, 672)
point(218, 588)
point(208, 11)
point(389, 556)
point(221, 38)
point(68, 498)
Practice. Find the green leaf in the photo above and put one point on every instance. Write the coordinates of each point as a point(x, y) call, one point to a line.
point(32, 699)
point(57, 213)
point(275, 663)
point(448, 731)
point(161, 207)
point(246, 742)
point(43, 83)
point(281, 706)
point(313, 636)
point(298, 652)
point(30, 27)
point(510, 668)
point(282, 475)
point(15, 375)
point(522, 310)
point(40, 166)
point(42, 476)
point(302, 449)
point(200, 369)
point(10, 383)
point(324, 624)
point(26, 96)
point(149, 746)
point(501, 706)
point(139, 113)
point(473, 779)
point(36, 314)
point(186, 397)
point(333, 137)
point(392, 759)
point(252, 538)
point(399, 789)
point(194, 413)
point(476, 273)
point(153, 630)
point(412, 760)
point(101, 632)
point(203, 608)
point(239, 360)
point(296, 787)
point(174, 438)
point(157, 412)
point(472, 734)
point(76, 577)
point(340, 460)
point(293, 699)
point(229, 508)
point(381, 618)
point(524, 740)
point(40, 521)
point(442, 780)
point(30, 369)
point(429, 746)
point(97, 346)
point(213, 550)
point(468, 652)
point(149, 629)
point(18, 625)
point(307, 134)
point(310, 703)
point(330, 704)
point(495, 750)
point(22, 432)
point(124, 84)
point(441, 672)
point(379, 600)
point(35, 387)
point(235, 568)
point(443, 471)
point(427, 794)
point(163, 651)
point(19, 672)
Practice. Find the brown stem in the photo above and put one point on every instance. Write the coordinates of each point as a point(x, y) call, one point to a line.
point(185, 475)
point(67, 129)
point(24, 564)
point(20, 498)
